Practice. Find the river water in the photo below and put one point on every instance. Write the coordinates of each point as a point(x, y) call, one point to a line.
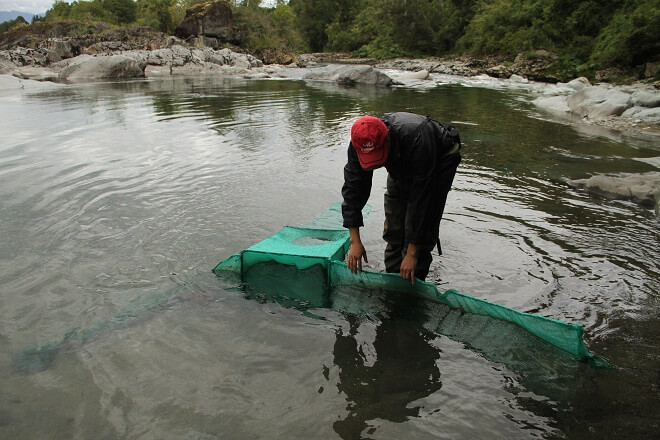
point(117, 198)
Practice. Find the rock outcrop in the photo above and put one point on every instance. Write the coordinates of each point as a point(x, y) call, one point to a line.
point(213, 19)
point(643, 189)
point(90, 67)
point(10, 82)
point(350, 75)
point(420, 75)
point(177, 59)
point(604, 104)
point(598, 102)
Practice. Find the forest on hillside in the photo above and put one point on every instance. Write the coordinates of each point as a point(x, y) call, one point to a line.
point(585, 35)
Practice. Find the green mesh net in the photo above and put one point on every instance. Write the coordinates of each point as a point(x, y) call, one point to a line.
point(304, 265)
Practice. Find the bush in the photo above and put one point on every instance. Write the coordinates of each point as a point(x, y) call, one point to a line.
point(381, 48)
point(118, 11)
point(268, 28)
point(157, 14)
point(12, 24)
point(631, 37)
point(360, 27)
point(507, 27)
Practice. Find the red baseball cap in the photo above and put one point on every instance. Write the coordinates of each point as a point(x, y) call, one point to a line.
point(368, 136)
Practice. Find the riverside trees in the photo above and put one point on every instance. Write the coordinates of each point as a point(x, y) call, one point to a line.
point(585, 34)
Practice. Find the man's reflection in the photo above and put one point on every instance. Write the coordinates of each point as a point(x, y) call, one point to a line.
point(405, 370)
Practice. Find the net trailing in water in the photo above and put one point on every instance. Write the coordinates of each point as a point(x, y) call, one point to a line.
point(312, 256)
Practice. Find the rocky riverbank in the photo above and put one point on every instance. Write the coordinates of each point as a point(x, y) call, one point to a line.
point(634, 107)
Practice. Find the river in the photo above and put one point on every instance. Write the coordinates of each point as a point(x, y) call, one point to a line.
point(117, 199)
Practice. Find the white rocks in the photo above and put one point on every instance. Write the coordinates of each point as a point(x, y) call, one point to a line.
point(6, 66)
point(176, 59)
point(554, 104)
point(10, 82)
point(640, 188)
point(605, 103)
point(598, 102)
point(89, 67)
point(419, 75)
point(639, 114)
point(646, 98)
point(578, 83)
point(350, 74)
point(518, 79)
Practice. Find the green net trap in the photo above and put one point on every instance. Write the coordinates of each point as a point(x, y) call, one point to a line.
point(308, 262)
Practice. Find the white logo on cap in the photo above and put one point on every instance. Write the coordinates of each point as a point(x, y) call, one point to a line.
point(367, 147)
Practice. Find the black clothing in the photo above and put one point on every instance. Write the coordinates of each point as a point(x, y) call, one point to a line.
point(422, 161)
point(411, 163)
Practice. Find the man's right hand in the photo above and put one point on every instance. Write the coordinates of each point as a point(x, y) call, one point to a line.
point(355, 255)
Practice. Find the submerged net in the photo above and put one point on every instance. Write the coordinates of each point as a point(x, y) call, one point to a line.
point(308, 267)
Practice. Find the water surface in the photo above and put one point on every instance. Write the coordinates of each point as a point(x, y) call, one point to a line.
point(117, 198)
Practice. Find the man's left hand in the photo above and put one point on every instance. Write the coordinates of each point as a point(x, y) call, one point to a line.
point(409, 264)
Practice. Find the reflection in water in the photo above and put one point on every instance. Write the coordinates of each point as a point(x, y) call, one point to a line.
point(384, 379)
point(403, 371)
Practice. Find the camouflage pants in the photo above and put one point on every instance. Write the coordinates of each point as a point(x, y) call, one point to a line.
point(396, 204)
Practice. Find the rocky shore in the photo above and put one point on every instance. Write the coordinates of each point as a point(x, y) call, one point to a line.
point(634, 107)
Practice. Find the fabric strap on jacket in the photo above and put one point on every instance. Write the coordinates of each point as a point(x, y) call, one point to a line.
point(418, 133)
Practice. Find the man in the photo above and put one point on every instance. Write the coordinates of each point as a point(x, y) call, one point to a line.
point(421, 156)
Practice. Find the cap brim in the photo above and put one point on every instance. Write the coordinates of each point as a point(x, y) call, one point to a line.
point(374, 158)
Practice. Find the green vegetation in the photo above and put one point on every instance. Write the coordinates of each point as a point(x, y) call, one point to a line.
point(118, 12)
point(586, 35)
point(268, 29)
point(12, 24)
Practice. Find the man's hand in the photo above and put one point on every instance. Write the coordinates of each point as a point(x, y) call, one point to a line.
point(357, 252)
point(409, 264)
point(355, 255)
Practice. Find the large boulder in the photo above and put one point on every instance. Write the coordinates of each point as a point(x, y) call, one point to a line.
point(419, 75)
point(63, 48)
point(10, 82)
point(599, 102)
point(646, 98)
point(90, 67)
point(350, 75)
point(229, 58)
point(212, 19)
point(6, 66)
point(643, 114)
point(553, 104)
point(578, 84)
point(640, 188)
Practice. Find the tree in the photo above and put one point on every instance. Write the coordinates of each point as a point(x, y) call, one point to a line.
point(59, 11)
point(156, 14)
point(12, 24)
point(313, 17)
point(120, 11)
point(631, 37)
point(507, 27)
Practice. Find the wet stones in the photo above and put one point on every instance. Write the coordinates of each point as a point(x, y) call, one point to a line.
point(643, 189)
point(349, 75)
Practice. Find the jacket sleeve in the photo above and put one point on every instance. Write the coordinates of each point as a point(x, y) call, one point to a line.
point(420, 216)
point(356, 190)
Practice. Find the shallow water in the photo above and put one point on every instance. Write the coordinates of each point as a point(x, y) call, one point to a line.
point(116, 200)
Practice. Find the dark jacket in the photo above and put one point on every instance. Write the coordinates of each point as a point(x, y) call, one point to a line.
point(414, 156)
